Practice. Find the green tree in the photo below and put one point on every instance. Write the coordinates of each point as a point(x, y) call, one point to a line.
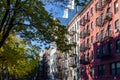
point(28, 19)
point(15, 60)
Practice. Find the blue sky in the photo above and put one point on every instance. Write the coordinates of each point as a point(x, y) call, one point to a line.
point(58, 11)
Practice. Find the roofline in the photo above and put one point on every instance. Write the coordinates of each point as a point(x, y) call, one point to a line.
point(80, 13)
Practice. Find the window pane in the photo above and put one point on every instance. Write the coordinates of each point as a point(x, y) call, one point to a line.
point(118, 65)
point(116, 6)
point(118, 71)
point(117, 24)
point(113, 72)
point(113, 66)
point(97, 37)
point(104, 49)
point(118, 45)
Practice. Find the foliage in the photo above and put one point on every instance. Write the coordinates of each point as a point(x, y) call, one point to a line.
point(30, 21)
point(15, 57)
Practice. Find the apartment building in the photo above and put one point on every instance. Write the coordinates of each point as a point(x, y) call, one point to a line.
point(100, 40)
point(73, 56)
point(43, 66)
point(52, 56)
point(99, 23)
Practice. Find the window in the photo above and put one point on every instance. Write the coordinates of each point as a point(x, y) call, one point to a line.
point(118, 67)
point(77, 24)
point(88, 15)
point(88, 41)
point(102, 3)
point(109, 30)
point(101, 70)
point(116, 6)
point(98, 52)
point(112, 69)
point(102, 18)
point(97, 21)
point(110, 47)
point(96, 6)
point(88, 56)
point(109, 10)
point(91, 11)
point(103, 49)
point(97, 36)
point(117, 24)
point(92, 55)
point(102, 34)
point(118, 45)
point(92, 26)
point(92, 72)
point(115, 68)
point(92, 39)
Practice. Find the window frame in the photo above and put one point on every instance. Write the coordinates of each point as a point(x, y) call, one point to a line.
point(97, 36)
point(116, 8)
point(101, 70)
point(117, 24)
point(92, 25)
point(97, 20)
point(115, 69)
point(118, 46)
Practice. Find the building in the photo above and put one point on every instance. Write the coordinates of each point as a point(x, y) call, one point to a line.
point(73, 56)
point(43, 66)
point(99, 24)
point(52, 52)
point(99, 40)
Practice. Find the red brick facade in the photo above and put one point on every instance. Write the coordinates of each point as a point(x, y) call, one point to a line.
point(100, 40)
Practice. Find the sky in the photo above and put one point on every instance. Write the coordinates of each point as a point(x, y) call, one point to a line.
point(58, 11)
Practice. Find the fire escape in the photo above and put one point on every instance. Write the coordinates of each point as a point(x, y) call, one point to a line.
point(105, 17)
point(105, 48)
point(85, 60)
point(102, 4)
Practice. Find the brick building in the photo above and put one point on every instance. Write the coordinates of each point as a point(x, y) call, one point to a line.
point(100, 40)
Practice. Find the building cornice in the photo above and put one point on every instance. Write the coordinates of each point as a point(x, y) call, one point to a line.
point(80, 13)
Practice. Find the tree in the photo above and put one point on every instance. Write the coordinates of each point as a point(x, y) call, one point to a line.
point(28, 19)
point(15, 60)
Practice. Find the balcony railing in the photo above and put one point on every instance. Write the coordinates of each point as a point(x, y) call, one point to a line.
point(100, 22)
point(87, 18)
point(101, 38)
point(106, 38)
point(73, 55)
point(74, 65)
point(82, 35)
point(108, 35)
point(87, 46)
point(101, 5)
point(87, 32)
point(82, 22)
point(108, 16)
point(72, 33)
point(108, 1)
point(84, 61)
point(82, 48)
point(59, 57)
point(107, 53)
